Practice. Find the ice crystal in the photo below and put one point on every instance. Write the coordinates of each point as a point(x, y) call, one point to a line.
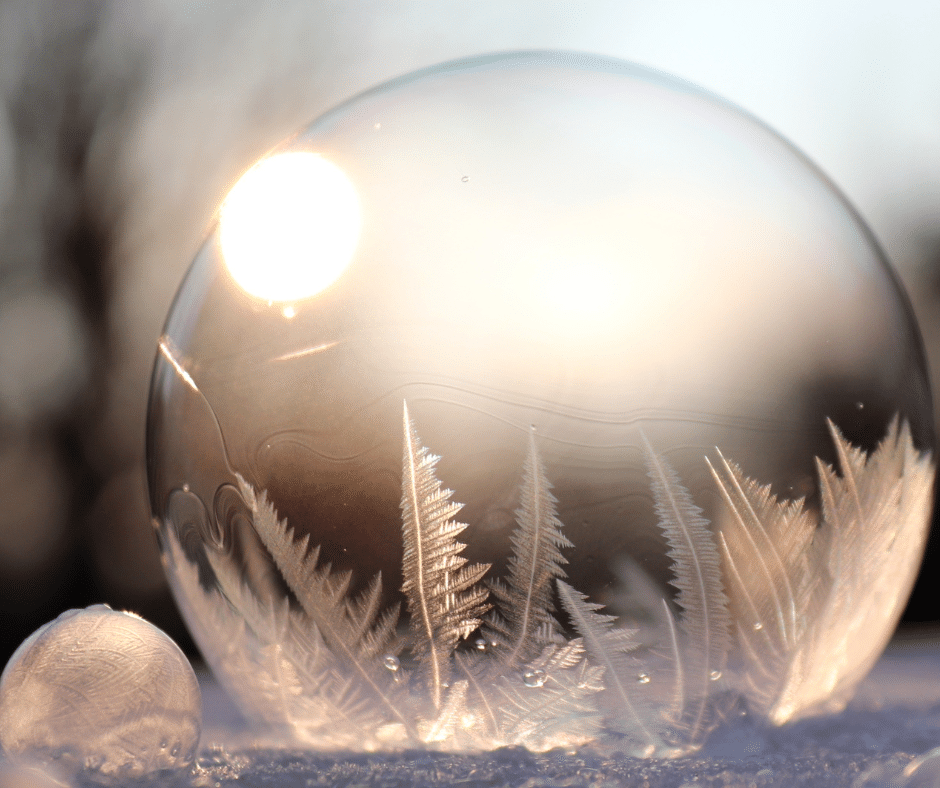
point(705, 620)
point(445, 597)
point(770, 603)
point(807, 596)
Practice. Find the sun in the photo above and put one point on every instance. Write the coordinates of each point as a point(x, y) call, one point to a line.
point(289, 227)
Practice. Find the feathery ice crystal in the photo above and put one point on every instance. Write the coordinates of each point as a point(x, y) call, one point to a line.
point(670, 378)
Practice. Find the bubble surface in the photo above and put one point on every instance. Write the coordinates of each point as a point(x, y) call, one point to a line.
point(605, 355)
point(101, 692)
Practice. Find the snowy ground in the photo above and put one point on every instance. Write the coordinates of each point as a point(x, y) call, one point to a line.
point(894, 720)
point(886, 738)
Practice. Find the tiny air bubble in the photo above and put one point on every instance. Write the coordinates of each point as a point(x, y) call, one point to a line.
point(534, 677)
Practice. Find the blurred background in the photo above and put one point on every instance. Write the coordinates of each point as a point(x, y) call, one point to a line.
point(123, 124)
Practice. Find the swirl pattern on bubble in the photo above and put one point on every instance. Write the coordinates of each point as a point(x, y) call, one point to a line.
point(658, 359)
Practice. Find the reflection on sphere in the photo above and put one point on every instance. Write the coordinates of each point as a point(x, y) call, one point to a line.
point(552, 251)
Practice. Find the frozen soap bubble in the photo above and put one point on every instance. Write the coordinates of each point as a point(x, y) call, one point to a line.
point(100, 692)
point(659, 360)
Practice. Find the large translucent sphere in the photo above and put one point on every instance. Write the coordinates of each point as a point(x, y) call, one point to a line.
point(664, 367)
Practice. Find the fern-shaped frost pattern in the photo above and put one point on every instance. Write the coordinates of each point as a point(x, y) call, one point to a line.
point(550, 702)
point(350, 630)
point(608, 647)
point(765, 544)
point(307, 689)
point(868, 550)
point(796, 597)
point(696, 564)
point(810, 596)
point(536, 560)
point(279, 672)
point(556, 711)
point(445, 599)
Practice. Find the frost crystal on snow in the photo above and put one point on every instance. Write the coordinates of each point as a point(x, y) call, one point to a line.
point(103, 692)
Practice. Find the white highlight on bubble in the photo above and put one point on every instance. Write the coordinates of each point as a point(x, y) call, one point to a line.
point(289, 227)
point(579, 290)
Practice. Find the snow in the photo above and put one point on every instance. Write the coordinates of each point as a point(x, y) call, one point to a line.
point(892, 724)
point(894, 719)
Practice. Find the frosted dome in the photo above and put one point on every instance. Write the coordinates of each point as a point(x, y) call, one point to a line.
point(614, 307)
point(102, 693)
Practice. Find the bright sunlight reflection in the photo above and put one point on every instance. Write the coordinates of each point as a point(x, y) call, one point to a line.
point(289, 227)
point(578, 290)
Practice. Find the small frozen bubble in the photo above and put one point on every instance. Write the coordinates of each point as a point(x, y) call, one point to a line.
point(758, 626)
point(534, 677)
point(714, 675)
point(643, 678)
point(103, 692)
point(480, 644)
point(391, 663)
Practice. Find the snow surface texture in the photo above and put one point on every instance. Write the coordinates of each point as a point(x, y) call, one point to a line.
point(884, 739)
point(101, 691)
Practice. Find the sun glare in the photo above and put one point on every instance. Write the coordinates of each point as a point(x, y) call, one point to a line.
point(289, 227)
point(579, 291)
